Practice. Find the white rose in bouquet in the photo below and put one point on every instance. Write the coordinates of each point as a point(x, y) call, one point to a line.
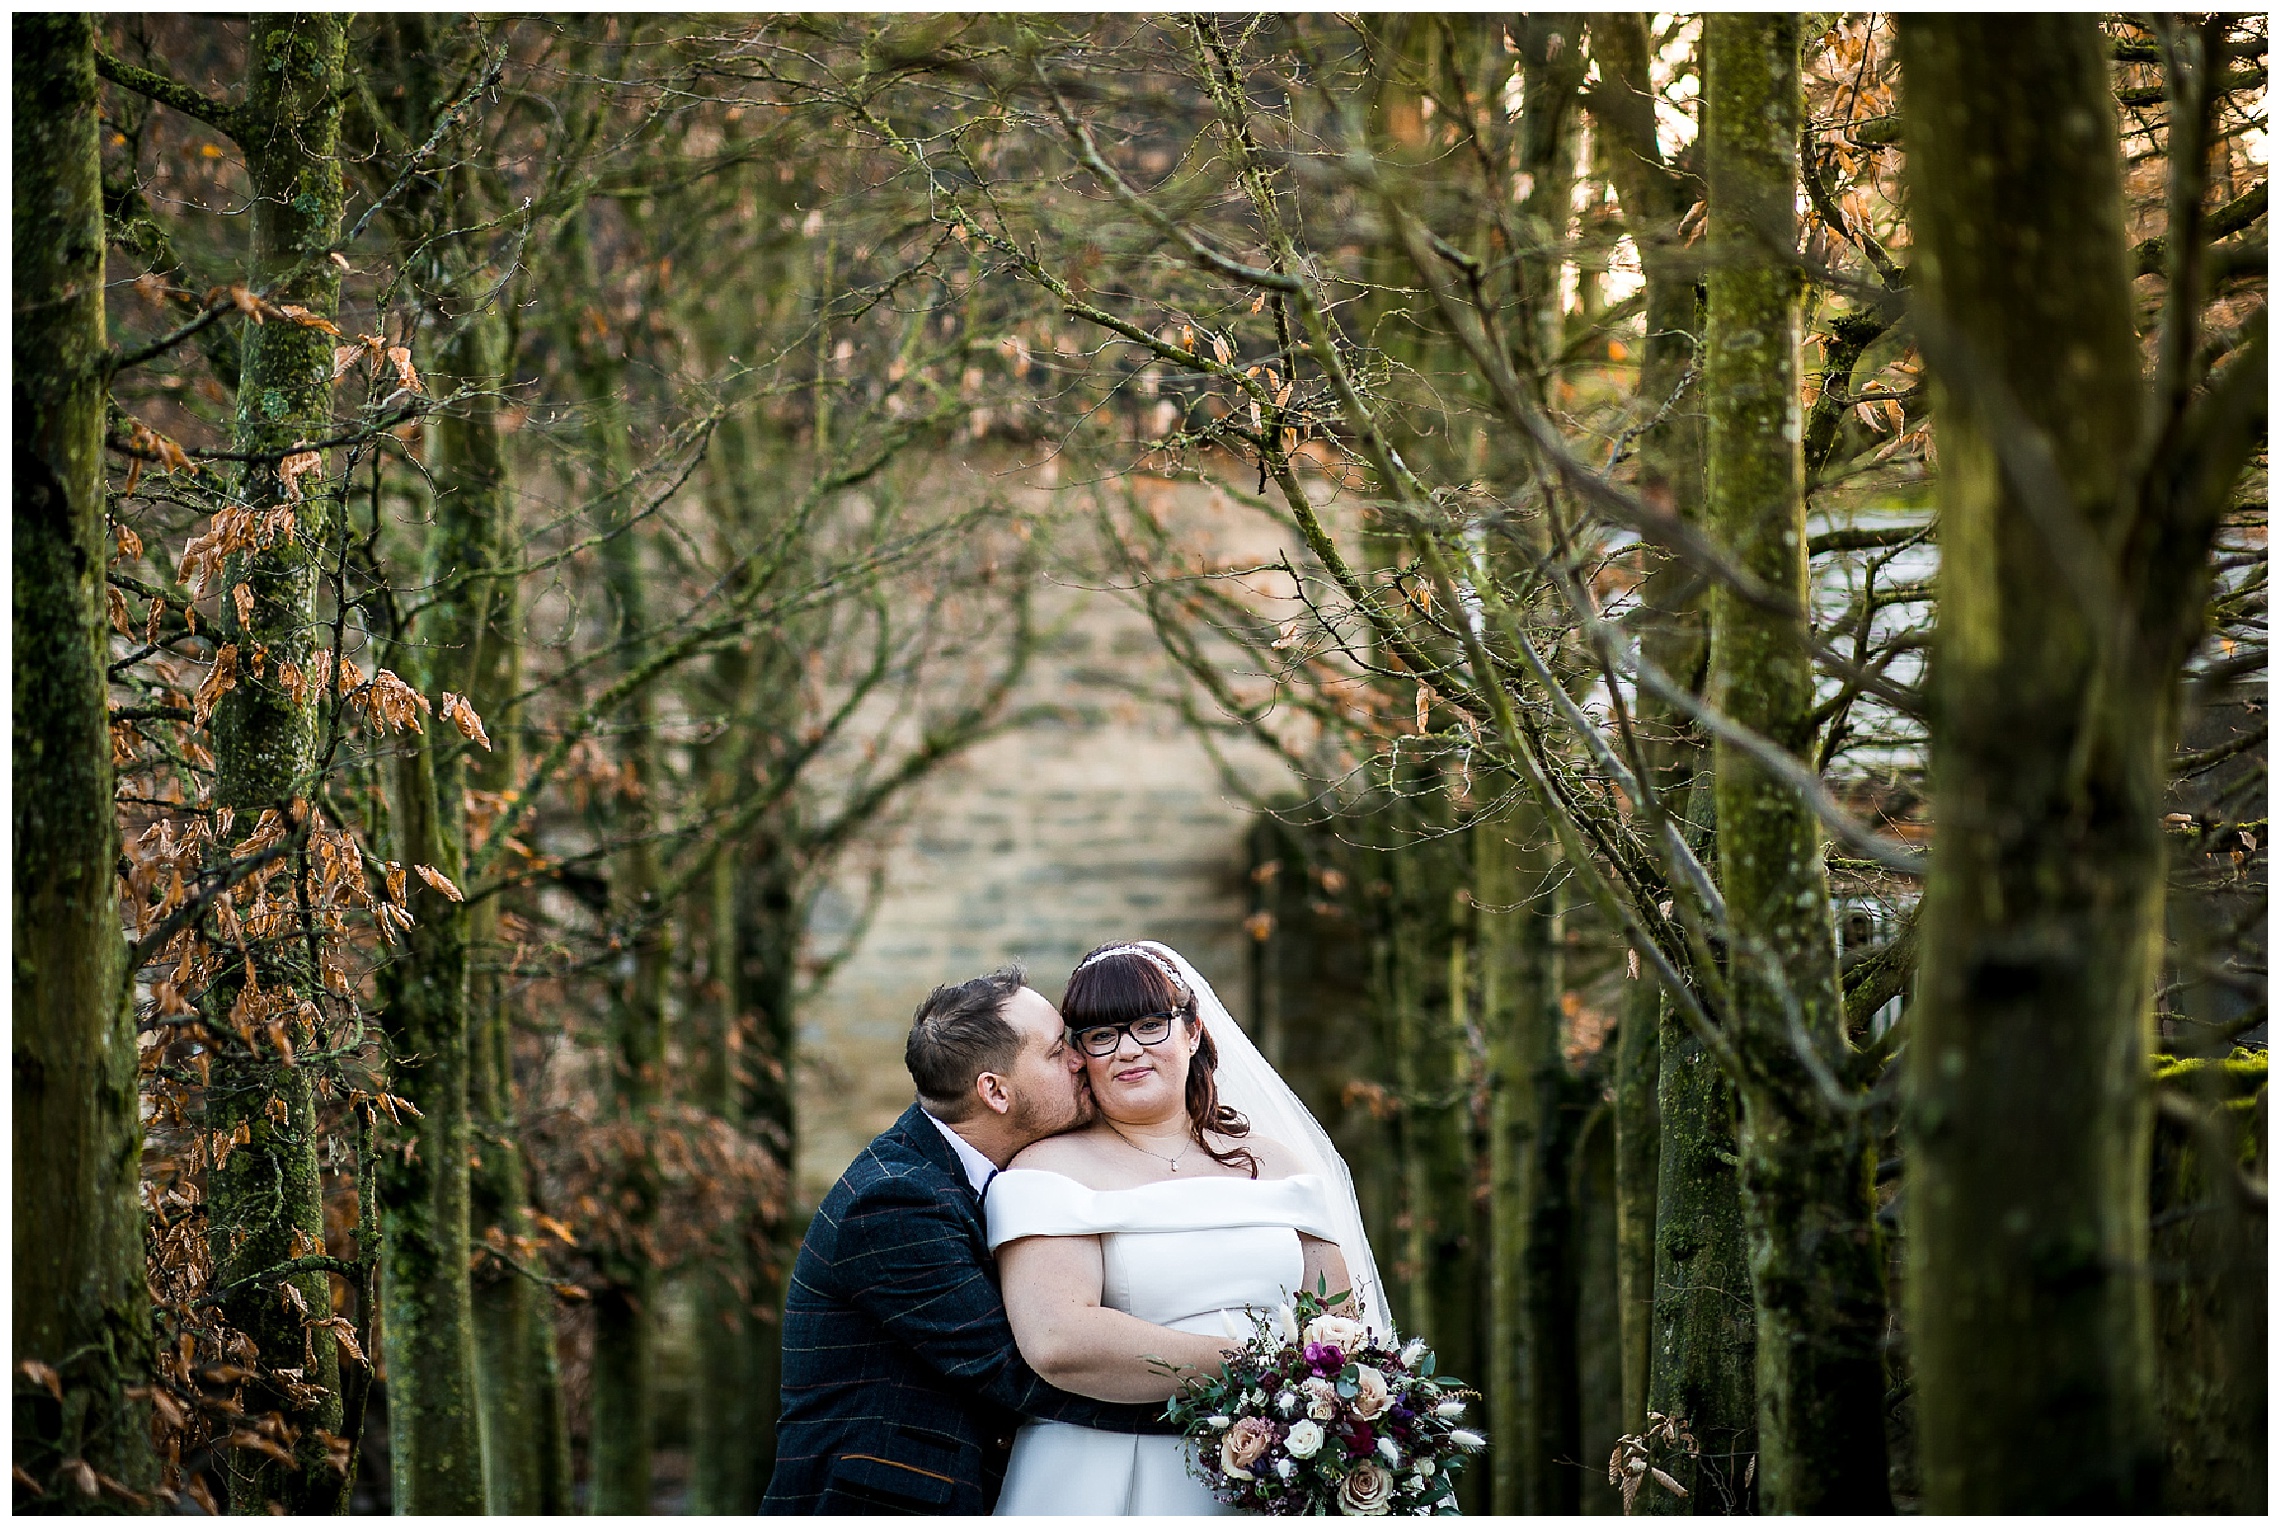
point(1372, 1394)
point(1339, 1332)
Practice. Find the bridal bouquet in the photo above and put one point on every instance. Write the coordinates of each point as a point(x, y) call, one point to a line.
point(1313, 1417)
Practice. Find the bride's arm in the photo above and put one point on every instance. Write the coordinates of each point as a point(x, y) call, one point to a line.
point(1052, 1296)
point(1325, 1264)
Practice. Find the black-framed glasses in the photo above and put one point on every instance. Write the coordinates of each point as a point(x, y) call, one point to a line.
point(1107, 1039)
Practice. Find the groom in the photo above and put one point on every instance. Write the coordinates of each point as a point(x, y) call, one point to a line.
point(902, 1387)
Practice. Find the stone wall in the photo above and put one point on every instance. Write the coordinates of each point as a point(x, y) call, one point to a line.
point(1108, 821)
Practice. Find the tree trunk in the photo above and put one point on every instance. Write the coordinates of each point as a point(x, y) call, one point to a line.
point(2029, 1123)
point(1552, 65)
point(79, 1305)
point(1531, 1378)
point(1704, 1358)
point(1598, 1331)
point(435, 1417)
point(526, 1450)
point(757, 933)
point(1807, 1164)
point(625, 1312)
point(2211, 1319)
point(270, 1192)
point(754, 917)
point(435, 1446)
point(1668, 411)
point(725, 1474)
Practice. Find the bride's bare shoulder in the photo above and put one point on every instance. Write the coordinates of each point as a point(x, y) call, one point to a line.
point(1079, 1154)
point(1275, 1159)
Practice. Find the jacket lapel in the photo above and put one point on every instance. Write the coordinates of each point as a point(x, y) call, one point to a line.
point(921, 1135)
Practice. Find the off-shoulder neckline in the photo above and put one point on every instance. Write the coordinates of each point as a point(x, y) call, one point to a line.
point(1138, 1188)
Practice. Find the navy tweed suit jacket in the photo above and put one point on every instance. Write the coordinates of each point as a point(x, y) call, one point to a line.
point(902, 1386)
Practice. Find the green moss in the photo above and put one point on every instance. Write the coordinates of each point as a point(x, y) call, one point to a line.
point(78, 1296)
point(1815, 1263)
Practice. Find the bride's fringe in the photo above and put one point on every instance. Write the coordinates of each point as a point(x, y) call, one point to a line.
point(1121, 987)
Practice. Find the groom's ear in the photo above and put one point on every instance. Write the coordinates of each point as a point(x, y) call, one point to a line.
point(994, 1094)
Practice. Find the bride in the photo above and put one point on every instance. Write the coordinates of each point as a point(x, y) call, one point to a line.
point(1203, 1190)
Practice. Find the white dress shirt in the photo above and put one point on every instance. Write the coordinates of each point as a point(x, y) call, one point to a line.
point(979, 1169)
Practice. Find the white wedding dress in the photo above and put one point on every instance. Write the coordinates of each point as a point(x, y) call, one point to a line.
point(1185, 1253)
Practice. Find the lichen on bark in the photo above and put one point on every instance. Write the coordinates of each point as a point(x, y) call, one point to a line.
point(268, 1197)
point(2030, 1308)
point(1806, 1159)
point(78, 1301)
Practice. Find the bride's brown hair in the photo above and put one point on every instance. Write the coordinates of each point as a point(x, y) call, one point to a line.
point(1128, 986)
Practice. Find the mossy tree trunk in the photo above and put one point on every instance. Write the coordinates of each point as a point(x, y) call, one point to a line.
point(469, 641)
point(435, 1419)
point(1807, 1162)
point(1806, 1159)
point(625, 1314)
point(753, 915)
point(1703, 1364)
point(2212, 1318)
point(79, 1304)
point(1655, 198)
point(269, 1195)
point(1530, 1349)
point(1552, 65)
point(739, 1367)
point(724, 1439)
point(434, 1424)
point(2075, 531)
point(526, 1437)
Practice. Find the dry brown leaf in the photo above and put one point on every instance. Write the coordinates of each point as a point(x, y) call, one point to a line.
point(293, 468)
point(460, 714)
point(308, 320)
point(345, 1331)
point(401, 358)
point(40, 1374)
point(220, 680)
point(439, 881)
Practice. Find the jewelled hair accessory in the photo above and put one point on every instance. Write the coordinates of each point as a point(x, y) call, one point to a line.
point(1144, 953)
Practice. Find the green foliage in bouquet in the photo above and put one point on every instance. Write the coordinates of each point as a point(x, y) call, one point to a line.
point(1316, 1415)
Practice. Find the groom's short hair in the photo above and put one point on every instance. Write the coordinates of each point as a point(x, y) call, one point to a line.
point(958, 1033)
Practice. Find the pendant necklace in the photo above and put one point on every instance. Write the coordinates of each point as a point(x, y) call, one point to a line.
point(1171, 1162)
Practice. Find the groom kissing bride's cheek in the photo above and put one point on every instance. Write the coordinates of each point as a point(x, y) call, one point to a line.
point(996, 1299)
